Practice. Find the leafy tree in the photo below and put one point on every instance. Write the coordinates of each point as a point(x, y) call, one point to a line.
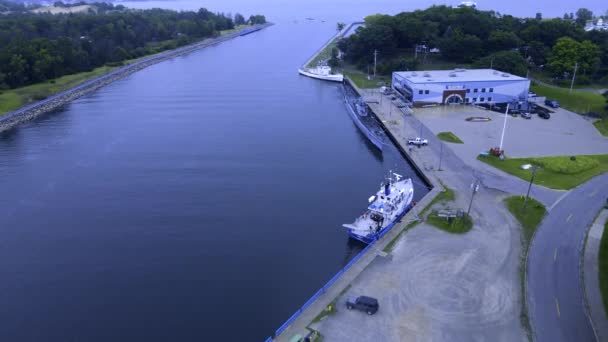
point(257, 19)
point(567, 52)
point(334, 61)
point(461, 47)
point(539, 16)
point(340, 26)
point(502, 40)
point(38, 47)
point(239, 19)
point(582, 16)
point(507, 61)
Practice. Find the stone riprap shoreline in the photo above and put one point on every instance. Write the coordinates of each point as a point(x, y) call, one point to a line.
point(31, 111)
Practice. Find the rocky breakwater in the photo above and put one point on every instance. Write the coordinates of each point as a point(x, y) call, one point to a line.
point(31, 111)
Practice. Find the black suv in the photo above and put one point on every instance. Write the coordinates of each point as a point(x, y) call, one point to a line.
point(363, 303)
point(544, 115)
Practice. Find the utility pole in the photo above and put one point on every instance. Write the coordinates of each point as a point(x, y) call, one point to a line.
point(573, 76)
point(474, 188)
point(440, 157)
point(504, 126)
point(534, 168)
point(492, 63)
point(375, 60)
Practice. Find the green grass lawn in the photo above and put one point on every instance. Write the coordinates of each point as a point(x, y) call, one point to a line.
point(449, 137)
point(603, 266)
point(602, 126)
point(15, 98)
point(362, 82)
point(530, 219)
point(324, 54)
point(459, 225)
point(446, 195)
point(556, 172)
point(578, 102)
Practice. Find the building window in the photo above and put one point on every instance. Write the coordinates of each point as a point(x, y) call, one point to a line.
point(491, 90)
point(475, 90)
point(468, 100)
point(482, 99)
point(420, 92)
point(468, 91)
point(474, 99)
point(489, 99)
point(483, 90)
point(426, 91)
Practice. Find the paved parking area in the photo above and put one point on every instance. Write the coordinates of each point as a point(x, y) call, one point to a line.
point(566, 133)
point(437, 286)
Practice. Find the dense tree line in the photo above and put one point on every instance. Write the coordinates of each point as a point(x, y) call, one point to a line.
point(467, 35)
point(38, 47)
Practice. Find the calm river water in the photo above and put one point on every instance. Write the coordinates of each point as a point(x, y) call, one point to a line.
point(199, 199)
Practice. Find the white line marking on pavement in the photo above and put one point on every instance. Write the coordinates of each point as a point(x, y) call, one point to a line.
point(555, 255)
point(569, 217)
point(559, 200)
point(557, 307)
point(593, 193)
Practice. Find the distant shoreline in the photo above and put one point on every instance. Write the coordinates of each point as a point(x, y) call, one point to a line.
point(26, 113)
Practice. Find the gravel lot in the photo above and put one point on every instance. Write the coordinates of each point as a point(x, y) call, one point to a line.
point(566, 133)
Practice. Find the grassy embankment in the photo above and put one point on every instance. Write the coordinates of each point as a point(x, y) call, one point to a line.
point(13, 99)
point(447, 195)
point(529, 221)
point(556, 172)
point(323, 55)
point(456, 225)
point(449, 137)
point(361, 81)
point(603, 267)
point(579, 102)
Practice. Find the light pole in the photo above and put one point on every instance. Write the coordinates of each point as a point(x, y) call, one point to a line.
point(474, 188)
point(573, 76)
point(534, 168)
point(440, 157)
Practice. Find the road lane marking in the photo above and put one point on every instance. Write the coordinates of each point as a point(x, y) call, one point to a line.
point(593, 193)
point(569, 217)
point(555, 255)
point(559, 200)
point(557, 307)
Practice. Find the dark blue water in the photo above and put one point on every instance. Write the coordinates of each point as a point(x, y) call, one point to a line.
point(199, 199)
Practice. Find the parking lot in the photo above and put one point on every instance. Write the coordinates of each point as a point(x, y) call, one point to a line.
point(565, 133)
point(440, 287)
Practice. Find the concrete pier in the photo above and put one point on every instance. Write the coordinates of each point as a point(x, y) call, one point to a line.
point(299, 326)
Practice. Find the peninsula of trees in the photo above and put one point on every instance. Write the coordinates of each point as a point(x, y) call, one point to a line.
point(37, 46)
point(476, 38)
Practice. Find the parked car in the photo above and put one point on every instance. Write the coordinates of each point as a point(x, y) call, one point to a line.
point(526, 115)
point(544, 115)
point(417, 142)
point(363, 303)
point(551, 103)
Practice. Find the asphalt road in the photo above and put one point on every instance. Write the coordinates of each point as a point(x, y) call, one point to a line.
point(554, 283)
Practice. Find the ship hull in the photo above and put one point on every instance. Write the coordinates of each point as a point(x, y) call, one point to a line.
point(367, 239)
point(373, 138)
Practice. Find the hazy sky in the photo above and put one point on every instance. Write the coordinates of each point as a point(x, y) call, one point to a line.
point(350, 10)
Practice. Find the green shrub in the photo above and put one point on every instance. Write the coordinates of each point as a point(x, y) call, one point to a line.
point(567, 165)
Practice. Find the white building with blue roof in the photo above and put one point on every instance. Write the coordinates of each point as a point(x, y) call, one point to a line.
point(461, 86)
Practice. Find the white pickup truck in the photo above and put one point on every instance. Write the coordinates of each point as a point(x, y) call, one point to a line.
point(417, 142)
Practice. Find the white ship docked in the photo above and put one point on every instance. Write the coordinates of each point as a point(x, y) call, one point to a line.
point(391, 202)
